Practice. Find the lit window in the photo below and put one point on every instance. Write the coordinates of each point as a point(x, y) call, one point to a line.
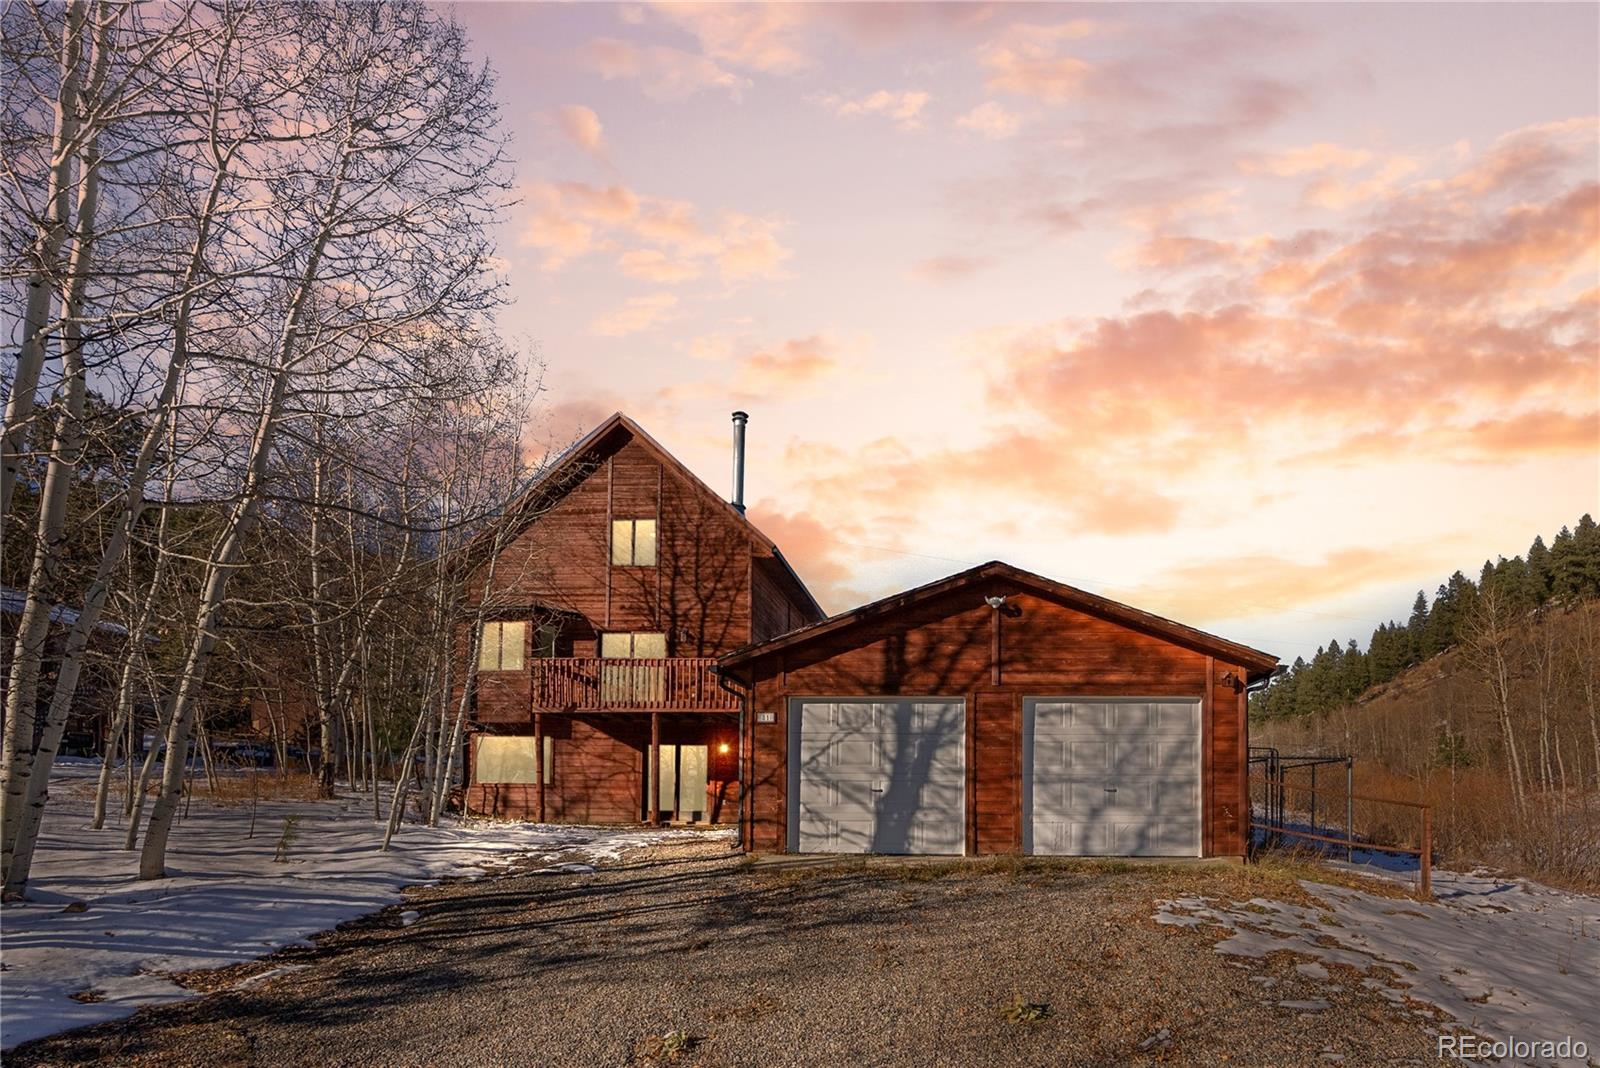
point(633, 542)
point(633, 682)
point(633, 646)
point(509, 758)
point(502, 646)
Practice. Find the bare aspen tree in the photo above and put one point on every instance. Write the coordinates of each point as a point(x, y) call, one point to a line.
point(50, 233)
point(1488, 649)
point(386, 197)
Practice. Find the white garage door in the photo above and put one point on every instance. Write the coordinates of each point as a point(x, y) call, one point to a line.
point(1111, 777)
point(877, 776)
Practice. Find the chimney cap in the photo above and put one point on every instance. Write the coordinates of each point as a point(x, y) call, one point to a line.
point(741, 417)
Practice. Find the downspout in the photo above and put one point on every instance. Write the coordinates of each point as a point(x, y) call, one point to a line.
point(742, 690)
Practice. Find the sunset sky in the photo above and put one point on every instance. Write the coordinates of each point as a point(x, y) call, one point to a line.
point(1257, 317)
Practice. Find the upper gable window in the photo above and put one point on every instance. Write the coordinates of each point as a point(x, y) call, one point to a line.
point(633, 542)
point(502, 646)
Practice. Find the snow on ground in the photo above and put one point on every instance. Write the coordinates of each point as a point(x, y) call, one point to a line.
point(226, 900)
point(1506, 957)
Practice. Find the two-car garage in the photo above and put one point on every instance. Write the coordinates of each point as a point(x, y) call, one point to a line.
point(996, 712)
point(1101, 777)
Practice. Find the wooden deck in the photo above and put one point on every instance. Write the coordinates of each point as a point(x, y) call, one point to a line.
point(597, 684)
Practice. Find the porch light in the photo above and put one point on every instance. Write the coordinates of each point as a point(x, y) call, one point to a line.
point(724, 748)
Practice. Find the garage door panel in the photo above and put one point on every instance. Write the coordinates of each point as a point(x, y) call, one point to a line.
point(1136, 758)
point(1130, 716)
point(880, 776)
point(1085, 757)
point(842, 754)
point(1108, 778)
point(1172, 716)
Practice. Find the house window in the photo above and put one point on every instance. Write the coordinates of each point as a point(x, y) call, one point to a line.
point(509, 758)
point(633, 542)
point(633, 645)
point(544, 642)
point(633, 682)
point(501, 647)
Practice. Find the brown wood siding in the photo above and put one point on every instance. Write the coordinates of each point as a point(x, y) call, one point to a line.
point(945, 648)
point(698, 591)
point(772, 612)
point(995, 718)
point(597, 771)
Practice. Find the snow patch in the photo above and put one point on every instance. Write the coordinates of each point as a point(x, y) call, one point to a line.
point(226, 900)
point(1503, 956)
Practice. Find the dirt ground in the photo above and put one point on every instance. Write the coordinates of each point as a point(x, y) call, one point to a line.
point(689, 955)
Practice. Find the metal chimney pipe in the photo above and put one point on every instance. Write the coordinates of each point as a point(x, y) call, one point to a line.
point(739, 420)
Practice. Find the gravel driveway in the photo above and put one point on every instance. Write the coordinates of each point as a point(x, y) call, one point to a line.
point(948, 964)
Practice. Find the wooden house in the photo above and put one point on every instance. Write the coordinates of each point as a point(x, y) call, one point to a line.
point(604, 609)
point(646, 650)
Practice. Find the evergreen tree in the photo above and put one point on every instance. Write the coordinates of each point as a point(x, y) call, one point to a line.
point(1586, 553)
point(1415, 628)
point(1563, 566)
point(1539, 572)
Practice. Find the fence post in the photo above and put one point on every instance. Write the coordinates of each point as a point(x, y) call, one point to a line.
point(1349, 809)
point(1427, 854)
point(1313, 799)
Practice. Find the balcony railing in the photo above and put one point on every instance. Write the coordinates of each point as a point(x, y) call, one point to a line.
point(606, 684)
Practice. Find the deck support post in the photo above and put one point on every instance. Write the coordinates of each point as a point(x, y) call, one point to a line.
point(538, 758)
point(652, 781)
point(677, 784)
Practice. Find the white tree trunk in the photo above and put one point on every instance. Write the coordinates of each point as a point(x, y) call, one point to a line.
point(46, 253)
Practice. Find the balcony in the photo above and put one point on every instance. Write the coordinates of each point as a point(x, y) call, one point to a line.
point(596, 684)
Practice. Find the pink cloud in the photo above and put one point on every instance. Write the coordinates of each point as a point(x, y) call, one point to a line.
point(1032, 60)
point(904, 107)
point(639, 314)
point(581, 126)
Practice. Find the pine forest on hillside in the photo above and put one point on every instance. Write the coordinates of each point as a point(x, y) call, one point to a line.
point(1485, 704)
point(1565, 571)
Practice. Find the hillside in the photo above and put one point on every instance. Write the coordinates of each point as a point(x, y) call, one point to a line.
point(1500, 732)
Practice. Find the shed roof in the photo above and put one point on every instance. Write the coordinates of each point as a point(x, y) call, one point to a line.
point(1256, 662)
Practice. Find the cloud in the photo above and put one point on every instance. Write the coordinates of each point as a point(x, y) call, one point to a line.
point(1447, 329)
point(571, 219)
point(1030, 60)
point(905, 107)
point(1322, 156)
point(949, 268)
point(661, 71)
point(581, 126)
point(637, 315)
point(756, 37)
point(748, 247)
point(794, 363)
point(1338, 193)
point(820, 550)
point(653, 265)
point(991, 120)
point(1263, 582)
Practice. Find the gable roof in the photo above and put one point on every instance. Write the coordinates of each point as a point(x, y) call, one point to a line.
point(550, 481)
point(1257, 662)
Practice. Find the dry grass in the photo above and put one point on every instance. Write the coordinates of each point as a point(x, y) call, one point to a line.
point(1277, 876)
point(262, 786)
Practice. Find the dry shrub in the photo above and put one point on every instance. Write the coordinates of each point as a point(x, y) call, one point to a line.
point(263, 786)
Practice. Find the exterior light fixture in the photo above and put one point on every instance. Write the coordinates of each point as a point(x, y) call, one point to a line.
point(724, 748)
